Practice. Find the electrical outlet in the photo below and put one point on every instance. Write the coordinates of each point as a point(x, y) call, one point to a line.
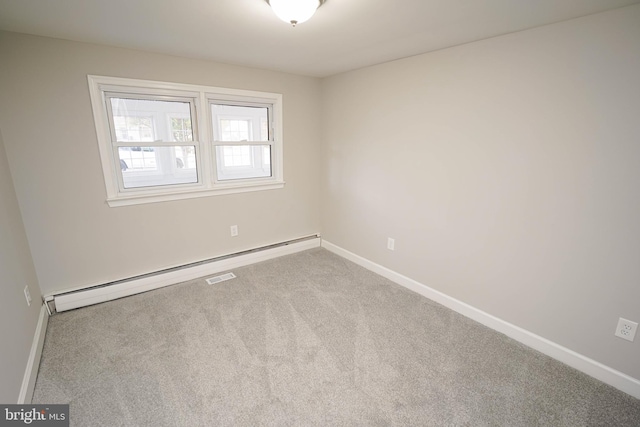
point(234, 230)
point(391, 244)
point(626, 329)
point(27, 295)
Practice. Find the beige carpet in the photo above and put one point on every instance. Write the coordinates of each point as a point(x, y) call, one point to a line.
point(309, 339)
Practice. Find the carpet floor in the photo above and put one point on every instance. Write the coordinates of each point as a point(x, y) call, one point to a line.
point(308, 339)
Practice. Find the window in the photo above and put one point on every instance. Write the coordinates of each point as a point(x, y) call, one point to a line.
point(165, 141)
point(241, 137)
point(148, 152)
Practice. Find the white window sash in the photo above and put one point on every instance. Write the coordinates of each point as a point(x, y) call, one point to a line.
point(200, 98)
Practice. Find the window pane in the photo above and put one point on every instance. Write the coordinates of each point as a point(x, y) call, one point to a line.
point(237, 123)
point(185, 157)
point(243, 161)
point(234, 130)
point(144, 120)
point(133, 128)
point(181, 129)
point(138, 158)
point(153, 166)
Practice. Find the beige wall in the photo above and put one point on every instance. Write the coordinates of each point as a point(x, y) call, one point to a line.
point(50, 138)
point(507, 170)
point(16, 271)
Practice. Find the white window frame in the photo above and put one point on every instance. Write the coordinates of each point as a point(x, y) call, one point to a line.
point(250, 142)
point(202, 96)
point(116, 144)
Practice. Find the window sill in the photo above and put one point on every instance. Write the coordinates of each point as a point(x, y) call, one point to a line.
point(138, 199)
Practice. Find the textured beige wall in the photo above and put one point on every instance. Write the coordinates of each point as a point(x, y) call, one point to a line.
point(50, 139)
point(507, 170)
point(17, 320)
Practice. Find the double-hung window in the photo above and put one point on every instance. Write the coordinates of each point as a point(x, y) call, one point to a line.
point(165, 141)
point(241, 137)
point(144, 144)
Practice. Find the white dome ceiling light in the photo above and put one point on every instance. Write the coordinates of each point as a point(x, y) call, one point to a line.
point(295, 11)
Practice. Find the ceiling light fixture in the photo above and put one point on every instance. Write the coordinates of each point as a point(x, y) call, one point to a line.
point(295, 11)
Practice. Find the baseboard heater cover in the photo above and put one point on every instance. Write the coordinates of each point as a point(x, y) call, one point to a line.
point(101, 293)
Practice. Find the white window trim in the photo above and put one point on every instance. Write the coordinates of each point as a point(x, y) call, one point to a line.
point(206, 162)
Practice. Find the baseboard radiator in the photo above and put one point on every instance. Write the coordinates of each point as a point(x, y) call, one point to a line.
point(82, 297)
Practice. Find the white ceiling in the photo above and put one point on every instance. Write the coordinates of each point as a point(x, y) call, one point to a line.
point(343, 35)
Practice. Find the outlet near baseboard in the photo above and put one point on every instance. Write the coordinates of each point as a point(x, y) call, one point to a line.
point(626, 329)
point(391, 244)
point(27, 295)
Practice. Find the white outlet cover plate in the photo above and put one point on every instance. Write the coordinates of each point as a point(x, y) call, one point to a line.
point(626, 329)
point(27, 295)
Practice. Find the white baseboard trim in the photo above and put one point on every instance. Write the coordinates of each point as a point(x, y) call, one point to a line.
point(569, 357)
point(33, 363)
point(90, 296)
